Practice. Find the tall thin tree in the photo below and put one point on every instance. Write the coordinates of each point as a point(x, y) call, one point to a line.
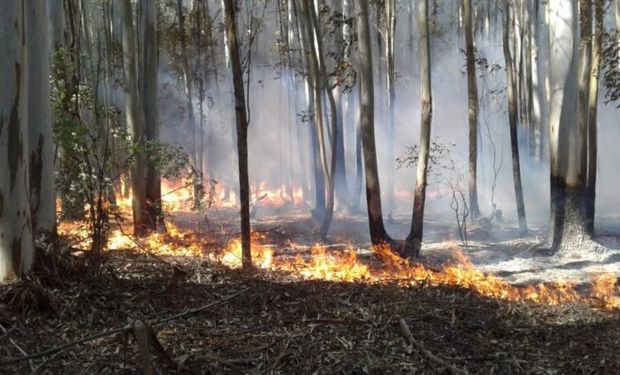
point(242, 129)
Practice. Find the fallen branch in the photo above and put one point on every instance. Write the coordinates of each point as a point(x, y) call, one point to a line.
point(404, 329)
point(117, 331)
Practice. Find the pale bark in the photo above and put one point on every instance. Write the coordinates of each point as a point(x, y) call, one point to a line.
point(41, 154)
point(472, 94)
point(566, 215)
point(134, 119)
point(390, 35)
point(16, 238)
point(414, 240)
point(512, 117)
point(242, 130)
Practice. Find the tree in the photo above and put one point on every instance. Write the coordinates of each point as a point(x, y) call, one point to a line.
point(414, 239)
point(378, 234)
point(149, 81)
point(135, 121)
point(16, 239)
point(472, 94)
point(242, 129)
point(592, 132)
point(41, 154)
point(567, 219)
point(513, 119)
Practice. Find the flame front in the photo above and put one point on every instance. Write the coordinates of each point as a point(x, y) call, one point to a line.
point(323, 263)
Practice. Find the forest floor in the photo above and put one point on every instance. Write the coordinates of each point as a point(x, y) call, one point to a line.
point(261, 322)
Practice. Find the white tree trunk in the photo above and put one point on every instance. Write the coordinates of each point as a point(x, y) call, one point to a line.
point(414, 240)
point(566, 149)
point(41, 153)
point(16, 240)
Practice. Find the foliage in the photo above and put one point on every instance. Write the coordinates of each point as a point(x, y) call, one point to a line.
point(95, 150)
point(610, 63)
point(443, 171)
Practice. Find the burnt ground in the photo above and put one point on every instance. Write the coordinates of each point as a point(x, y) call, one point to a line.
point(283, 325)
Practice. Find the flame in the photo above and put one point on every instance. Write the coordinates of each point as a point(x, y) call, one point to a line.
point(604, 288)
point(262, 257)
point(345, 265)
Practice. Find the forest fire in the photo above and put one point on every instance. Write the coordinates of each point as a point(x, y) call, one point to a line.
point(323, 263)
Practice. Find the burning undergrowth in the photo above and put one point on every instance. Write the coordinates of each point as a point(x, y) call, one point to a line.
point(344, 264)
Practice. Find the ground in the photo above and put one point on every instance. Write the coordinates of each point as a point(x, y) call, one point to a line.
point(282, 324)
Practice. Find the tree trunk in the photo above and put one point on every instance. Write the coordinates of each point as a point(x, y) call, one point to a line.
point(390, 19)
point(512, 118)
point(585, 57)
point(472, 93)
point(150, 59)
point(414, 240)
point(567, 221)
point(242, 130)
point(378, 234)
point(16, 239)
point(135, 122)
point(590, 193)
point(187, 79)
point(42, 194)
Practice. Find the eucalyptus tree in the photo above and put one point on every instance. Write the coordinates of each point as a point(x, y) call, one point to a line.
point(378, 234)
point(472, 95)
point(41, 147)
point(134, 119)
point(241, 119)
point(592, 108)
point(567, 226)
point(511, 82)
point(414, 239)
point(16, 238)
point(149, 92)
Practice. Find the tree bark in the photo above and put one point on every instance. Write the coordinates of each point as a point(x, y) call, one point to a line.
point(242, 130)
point(378, 234)
point(512, 118)
point(150, 87)
point(390, 19)
point(414, 240)
point(16, 239)
point(42, 192)
point(135, 121)
point(590, 193)
point(567, 221)
point(472, 94)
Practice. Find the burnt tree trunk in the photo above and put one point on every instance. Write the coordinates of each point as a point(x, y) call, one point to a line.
point(242, 130)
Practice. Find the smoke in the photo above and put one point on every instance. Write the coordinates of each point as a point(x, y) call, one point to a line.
point(279, 143)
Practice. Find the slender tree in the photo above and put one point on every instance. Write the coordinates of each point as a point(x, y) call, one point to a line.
point(242, 129)
point(149, 86)
point(513, 119)
point(414, 240)
point(472, 94)
point(134, 119)
point(378, 234)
